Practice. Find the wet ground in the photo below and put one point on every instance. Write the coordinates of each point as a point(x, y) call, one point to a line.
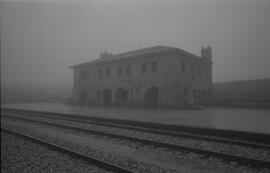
point(252, 120)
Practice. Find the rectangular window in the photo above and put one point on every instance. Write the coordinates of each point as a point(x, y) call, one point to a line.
point(153, 66)
point(98, 95)
point(81, 74)
point(144, 68)
point(206, 73)
point(199, 71)
point(108, 72)
point(185, 91)
point(120, 70)
point(128, 69)
point(203, 94)
point(192, 69)
point(131, 94)
point(183, 67)
point(84, 74)
point(100, 73)
point(195, 94)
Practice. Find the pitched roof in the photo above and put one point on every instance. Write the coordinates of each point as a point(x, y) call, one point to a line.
point(135, 53)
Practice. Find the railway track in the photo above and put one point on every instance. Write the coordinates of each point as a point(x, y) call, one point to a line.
point(209, 138)
point(226, 157)
point(100, 163)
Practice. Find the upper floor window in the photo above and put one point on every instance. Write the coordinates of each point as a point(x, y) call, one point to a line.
point(199, 71)
point(154, 66)
point(84, 74)
point(183, 66)
point(100, 73)
point(128, 69)
point(192, 69)
point(108, 72)
point(144, 68)
point(206, 73)
point(120, 70)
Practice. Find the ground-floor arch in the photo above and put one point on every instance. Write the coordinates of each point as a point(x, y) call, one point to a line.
point(83, 98)
point(107, 96)
point(121, 95)
point(151, 97)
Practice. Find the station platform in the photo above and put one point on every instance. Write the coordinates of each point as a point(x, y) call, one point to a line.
point(239, 119)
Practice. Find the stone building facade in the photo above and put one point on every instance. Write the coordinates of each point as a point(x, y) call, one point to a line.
point(156, 76)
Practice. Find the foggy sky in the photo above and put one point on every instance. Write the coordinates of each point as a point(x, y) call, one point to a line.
point(40, 40)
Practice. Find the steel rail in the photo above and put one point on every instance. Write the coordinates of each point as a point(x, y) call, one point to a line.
point(206, 153)
point(100, 163)
point(164, 132)
point(198, 131)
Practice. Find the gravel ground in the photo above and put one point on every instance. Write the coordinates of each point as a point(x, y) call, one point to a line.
point(19, 155)
point(136, 166)
point(28, 127)
point(260, 154)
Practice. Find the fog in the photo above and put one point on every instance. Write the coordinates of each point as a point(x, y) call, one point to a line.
point(40, 40)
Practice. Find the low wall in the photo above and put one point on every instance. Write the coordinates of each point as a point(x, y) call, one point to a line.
point(32, 100)
point(243, 103)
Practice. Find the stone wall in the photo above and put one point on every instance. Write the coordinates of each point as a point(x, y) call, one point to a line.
point(170, 80)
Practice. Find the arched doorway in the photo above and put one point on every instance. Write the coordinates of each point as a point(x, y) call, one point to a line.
point(83, 98)
point(107, 96)
point(151, 97)
point(121, 95)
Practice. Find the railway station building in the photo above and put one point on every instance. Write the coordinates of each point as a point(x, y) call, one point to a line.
point(154, 77)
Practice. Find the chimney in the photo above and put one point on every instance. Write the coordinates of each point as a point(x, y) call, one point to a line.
point(105, 54)
point(206, 53)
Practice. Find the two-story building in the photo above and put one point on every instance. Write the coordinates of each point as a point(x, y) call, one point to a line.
point(154, 76)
